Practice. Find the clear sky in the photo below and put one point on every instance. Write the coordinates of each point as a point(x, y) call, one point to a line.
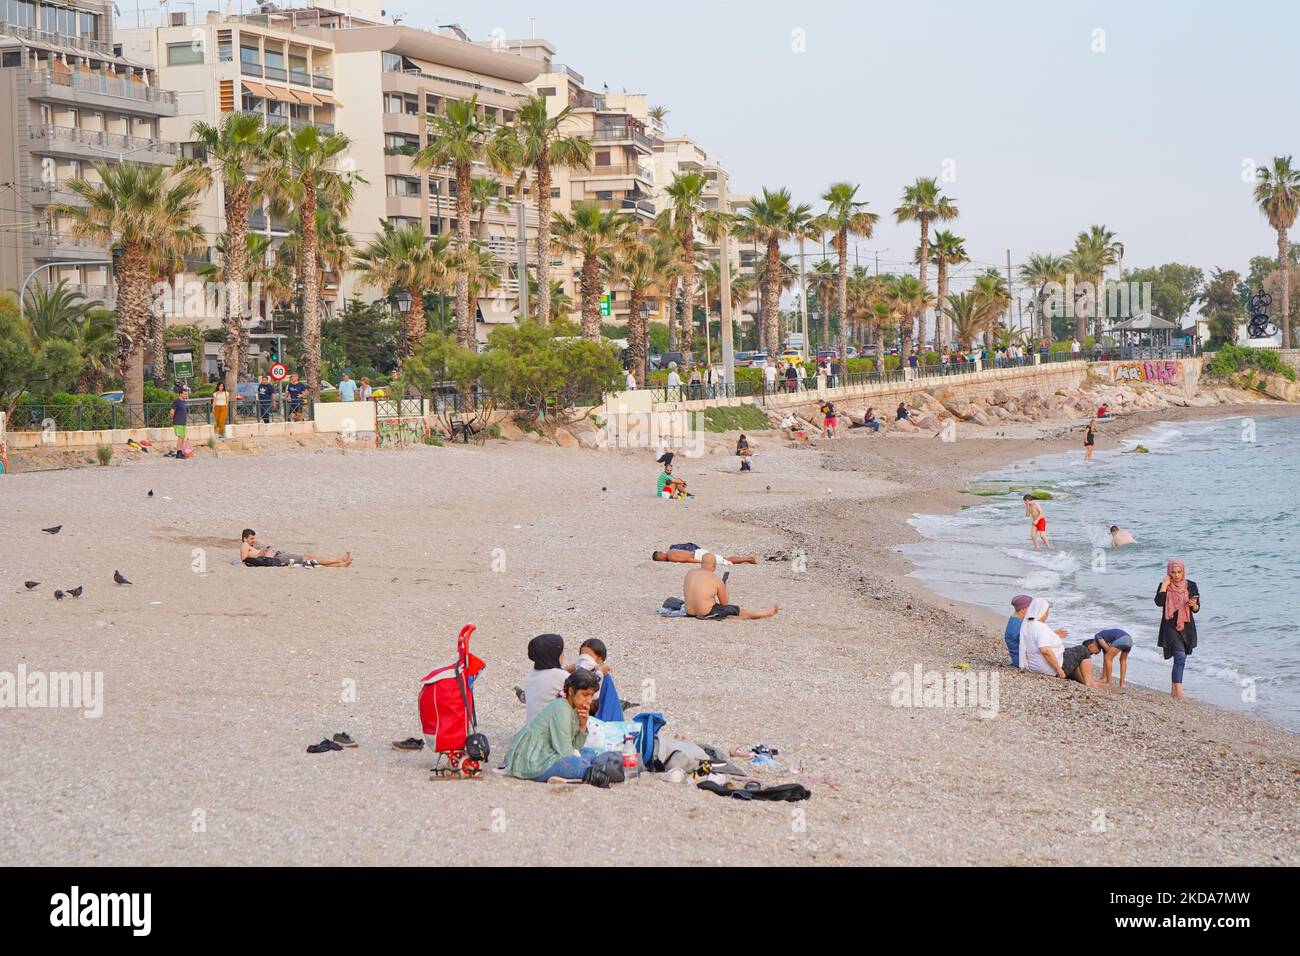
point(1052, 116)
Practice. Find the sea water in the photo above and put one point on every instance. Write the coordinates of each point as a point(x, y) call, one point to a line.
point(1223, 495)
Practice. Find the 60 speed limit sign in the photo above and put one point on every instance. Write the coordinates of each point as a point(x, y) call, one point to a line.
point(278, 372)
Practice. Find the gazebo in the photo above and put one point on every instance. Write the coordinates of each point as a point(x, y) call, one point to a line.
point(1145, 332)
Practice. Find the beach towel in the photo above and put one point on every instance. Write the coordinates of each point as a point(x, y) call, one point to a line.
point(651, 723)
point(672, 607)
point(611, 708)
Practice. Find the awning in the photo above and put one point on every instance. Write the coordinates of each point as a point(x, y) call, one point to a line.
point(327, 100)
point(299, 96)
point(257, 89)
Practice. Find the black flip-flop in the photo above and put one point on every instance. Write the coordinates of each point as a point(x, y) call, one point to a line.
point(321, 748)
point(332, 745)
point(345, 740)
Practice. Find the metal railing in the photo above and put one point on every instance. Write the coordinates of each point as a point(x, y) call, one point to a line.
point(58, 40)
point(75, 136)
point(105, 84)
point(100, 416)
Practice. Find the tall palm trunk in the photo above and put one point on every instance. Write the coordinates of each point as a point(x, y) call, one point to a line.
point(842, 296)
point(672, 316)
point(235, 269)
point(464, 319)
point(416, 324)
point(772, 295)
point(880, 346)
point(310, 288)
point(943, 323)
point(636, 336)
point(924, 267)
point(543, 239)
point(132, 325)
point(591, 298)
point(158, 341)
point(1283, 263)
point(688, 290)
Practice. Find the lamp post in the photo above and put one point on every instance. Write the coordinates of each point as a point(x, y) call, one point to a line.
point(724, 250)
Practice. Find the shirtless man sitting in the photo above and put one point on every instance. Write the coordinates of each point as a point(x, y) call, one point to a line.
point(693, 554)
point(270, 558)
point(706, 595)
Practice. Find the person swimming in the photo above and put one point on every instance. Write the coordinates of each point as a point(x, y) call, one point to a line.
point(1120, 537)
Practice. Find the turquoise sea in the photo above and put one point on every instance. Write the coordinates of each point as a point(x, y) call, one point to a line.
point(1222, 495)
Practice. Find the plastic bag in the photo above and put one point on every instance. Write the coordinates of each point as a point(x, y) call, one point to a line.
point(608, 735)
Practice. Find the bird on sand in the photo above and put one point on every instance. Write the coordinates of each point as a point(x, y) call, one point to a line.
point(118, 579)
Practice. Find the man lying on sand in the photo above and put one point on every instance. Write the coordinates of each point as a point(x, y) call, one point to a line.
point(693, 554)
point(706, 595)
point(256, 557)
point(1120, 537)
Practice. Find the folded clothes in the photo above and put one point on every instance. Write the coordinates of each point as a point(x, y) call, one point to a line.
point(664, 612)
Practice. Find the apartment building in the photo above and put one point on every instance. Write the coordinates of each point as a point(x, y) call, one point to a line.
point(68, 99)
point(393, 77)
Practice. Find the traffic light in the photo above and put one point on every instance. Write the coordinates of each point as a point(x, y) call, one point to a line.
point(604, 305)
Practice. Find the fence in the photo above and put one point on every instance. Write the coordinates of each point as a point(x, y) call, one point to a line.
point(102, 416)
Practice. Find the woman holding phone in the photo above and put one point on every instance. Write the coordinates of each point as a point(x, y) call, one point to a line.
point(1180, 599)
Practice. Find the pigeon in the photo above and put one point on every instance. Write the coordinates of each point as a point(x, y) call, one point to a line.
point(58, 595)
point(118, 579)
point(150, 492)
point(30, 584)
point(76, 592)
point(55, 530)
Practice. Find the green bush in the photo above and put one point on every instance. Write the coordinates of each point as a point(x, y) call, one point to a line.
point(1231, 359)
point(735, 418)
point(104, 454)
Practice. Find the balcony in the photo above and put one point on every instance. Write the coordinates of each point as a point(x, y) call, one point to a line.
point(621, 134)
point(45, 194)
point(67, 247)
point(58, 40)
point(322, 82)
point(72, 142)
point(102, 90)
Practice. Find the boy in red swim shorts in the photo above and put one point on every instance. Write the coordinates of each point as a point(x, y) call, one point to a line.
point(1037, 522)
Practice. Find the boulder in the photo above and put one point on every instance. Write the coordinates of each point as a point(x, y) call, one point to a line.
point(980, 417)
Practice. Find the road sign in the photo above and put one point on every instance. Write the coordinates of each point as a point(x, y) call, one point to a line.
point(604, 305)
point(279, 372)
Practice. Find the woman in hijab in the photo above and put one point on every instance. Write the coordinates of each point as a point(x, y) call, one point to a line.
point(1041, 648)
point(545, 681)
point(1180, 599)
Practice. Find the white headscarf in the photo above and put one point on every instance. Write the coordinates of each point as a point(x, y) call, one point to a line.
point(1030, 629)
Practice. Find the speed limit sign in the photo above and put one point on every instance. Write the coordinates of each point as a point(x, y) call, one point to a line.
point(278, 372)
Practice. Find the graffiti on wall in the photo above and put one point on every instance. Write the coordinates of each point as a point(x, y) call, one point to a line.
point(1164, 372)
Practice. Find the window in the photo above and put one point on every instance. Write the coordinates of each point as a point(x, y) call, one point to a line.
point(89, 25)
point(546, 91)
point(605, 194)
point(392, 63)
point(21, 13)
point(602, 158)
point(251, 56)
point(393, 103)
point(404, 222)
point(179, 54)
point(11, 58)
point(555, 192)
point(402, 186)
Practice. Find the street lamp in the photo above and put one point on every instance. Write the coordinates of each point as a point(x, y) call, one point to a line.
point(402, 301)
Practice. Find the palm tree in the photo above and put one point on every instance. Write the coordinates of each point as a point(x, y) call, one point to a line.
point(134, 208)
point(821, 282)
point(561, 303)
point(1278, 196)
point(485, 193)
point(459, 138)
point(845, 214)
point(480, 271)
point(806, 226)
point(641, 265)
point(401, 257)
point(306, 171)
point(658, 114)
point(786, 275)
point(992, 298)
point(686, 199)
point(910, 299)
point(923, 202)
point(945, 250)
point(592, 233)
point(965, 313)
point(1094, 250)
point(770, 219)
point(231, 155)
point(95, 340)
point(539, 146)
point(1039, 271)
point(56, 311)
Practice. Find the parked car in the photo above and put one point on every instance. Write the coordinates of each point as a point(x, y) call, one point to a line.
point(668, 358)
point(791, 357)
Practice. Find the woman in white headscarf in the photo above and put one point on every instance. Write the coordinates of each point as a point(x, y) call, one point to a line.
point(1041, 648)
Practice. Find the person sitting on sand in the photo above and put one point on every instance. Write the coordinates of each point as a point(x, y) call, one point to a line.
point(901, 414)
point(693, 554)
point(1114, 642)
point(1103, 410)
point(706, 595)
point(544, 680)
point(1076, 661)
point(1120, 537)
point(1037, 522)
point(1041, 648)
point(548, 747)
point(869, 420)
point(668, 486)
point(255, 557)
point(591, 657)
point(1011, 635)
point(745, 453)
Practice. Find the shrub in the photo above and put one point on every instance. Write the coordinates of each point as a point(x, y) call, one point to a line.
point(1231, 359)
point(104, 454)
point(735, 418)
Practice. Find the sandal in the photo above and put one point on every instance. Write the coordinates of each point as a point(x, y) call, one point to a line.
point(320, 748)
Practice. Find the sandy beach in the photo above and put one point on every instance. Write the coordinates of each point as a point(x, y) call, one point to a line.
point(216, 677)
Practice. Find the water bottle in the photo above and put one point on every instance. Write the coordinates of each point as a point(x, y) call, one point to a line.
point(631, 760)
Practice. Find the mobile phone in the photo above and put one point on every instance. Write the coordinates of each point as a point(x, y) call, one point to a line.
point(725, 575)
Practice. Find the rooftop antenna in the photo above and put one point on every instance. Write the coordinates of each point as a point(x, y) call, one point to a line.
point(532, 28)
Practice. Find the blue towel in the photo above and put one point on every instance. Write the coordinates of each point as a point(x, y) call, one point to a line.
point(651, 723)
point(611, 708)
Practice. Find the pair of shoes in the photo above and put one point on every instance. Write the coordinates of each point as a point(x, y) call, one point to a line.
point(410, 743)
point(344, 740)
point(324, 747)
